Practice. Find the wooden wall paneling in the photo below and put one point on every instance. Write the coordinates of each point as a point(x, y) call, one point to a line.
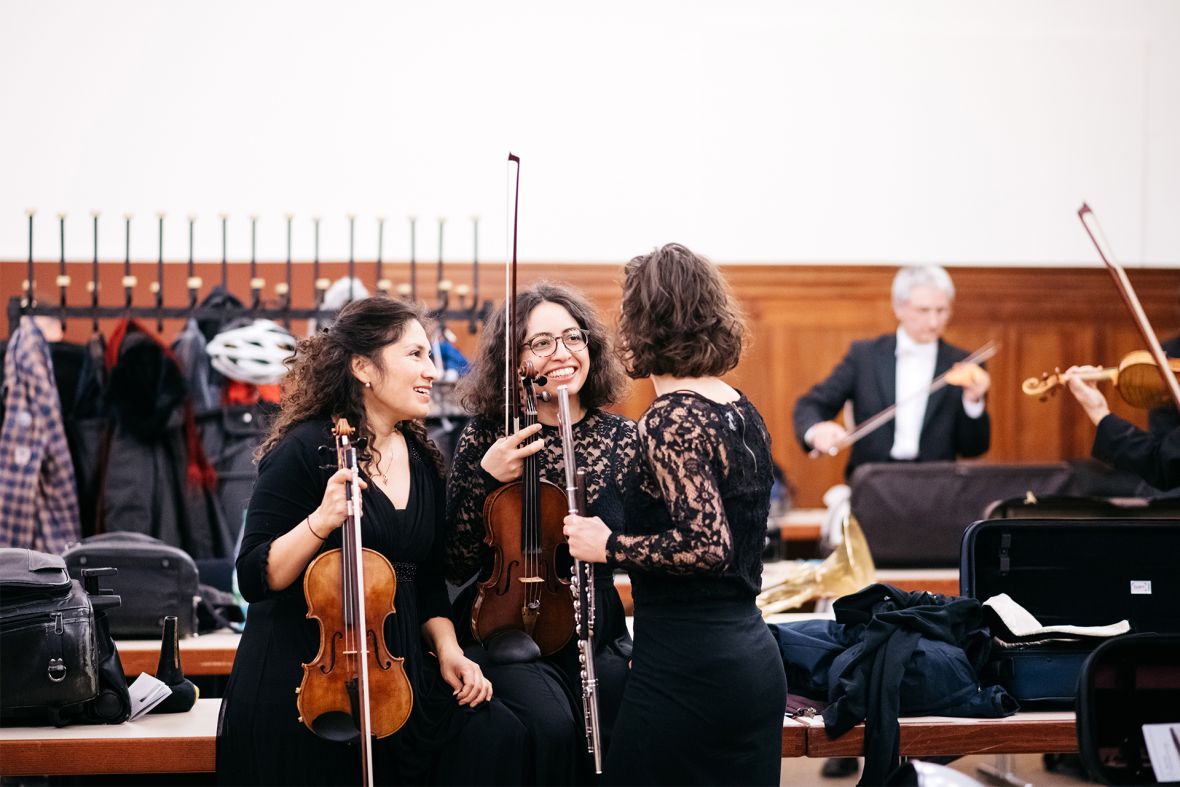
point(802, 319)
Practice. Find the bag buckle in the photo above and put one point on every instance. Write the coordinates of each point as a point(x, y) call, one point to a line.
point(57, 670)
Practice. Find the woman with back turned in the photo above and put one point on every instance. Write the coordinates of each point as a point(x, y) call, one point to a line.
point(705, 698)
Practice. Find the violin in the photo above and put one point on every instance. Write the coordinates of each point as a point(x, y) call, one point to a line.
point(353, 690)
point(1136, 378)
point(523, 520)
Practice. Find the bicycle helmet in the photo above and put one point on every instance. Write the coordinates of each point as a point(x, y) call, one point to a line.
point(253, 353)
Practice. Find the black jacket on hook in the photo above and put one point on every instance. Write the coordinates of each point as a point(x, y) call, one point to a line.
point(151, 475)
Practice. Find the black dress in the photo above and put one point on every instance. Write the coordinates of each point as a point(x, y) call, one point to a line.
point(705, 699)
point(260, 739)
point(546, 695)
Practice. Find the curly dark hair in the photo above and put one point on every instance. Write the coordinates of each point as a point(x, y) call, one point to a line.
point(678, 316)
point(481, 391)
point(321, 385)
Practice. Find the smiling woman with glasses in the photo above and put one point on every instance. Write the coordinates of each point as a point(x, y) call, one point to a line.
point(543, 344)
point(559, 333)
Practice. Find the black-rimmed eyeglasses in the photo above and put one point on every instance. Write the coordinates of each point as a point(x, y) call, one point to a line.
point(543, 345)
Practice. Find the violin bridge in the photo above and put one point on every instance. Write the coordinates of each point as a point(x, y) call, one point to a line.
point(528, 580)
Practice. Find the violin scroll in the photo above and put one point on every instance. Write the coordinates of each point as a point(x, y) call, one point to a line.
point(1045, 385)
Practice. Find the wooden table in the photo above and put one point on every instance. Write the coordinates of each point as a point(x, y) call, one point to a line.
point(156, 743)
point(185, 742)
point(208, 654)
point(927, 736)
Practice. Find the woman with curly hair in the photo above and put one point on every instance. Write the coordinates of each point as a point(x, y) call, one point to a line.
point(372, 367)
point(559, 333)
point(705, 698)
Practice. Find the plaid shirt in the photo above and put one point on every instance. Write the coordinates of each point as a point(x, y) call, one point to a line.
point(38, 495)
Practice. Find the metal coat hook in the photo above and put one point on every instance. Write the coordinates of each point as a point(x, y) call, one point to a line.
point(413, 288)
point(442, 286)
point(256, 283)
point(320, 283)
point(192, 281)
point(129, 281)
point(224, 259)
point(63, 279)
point(472, 324)
point(283, 288)
point(158, 284)
point(384, 285)
point(93, 286)
point(351, 257)
point(30, 283)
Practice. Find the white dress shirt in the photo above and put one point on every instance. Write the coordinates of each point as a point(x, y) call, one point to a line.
point(915, 371)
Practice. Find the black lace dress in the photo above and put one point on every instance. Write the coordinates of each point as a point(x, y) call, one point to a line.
point(546, 695)
point(260, 739)
point(705, 698)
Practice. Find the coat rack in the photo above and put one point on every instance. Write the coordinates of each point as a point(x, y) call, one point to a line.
point(468, 310)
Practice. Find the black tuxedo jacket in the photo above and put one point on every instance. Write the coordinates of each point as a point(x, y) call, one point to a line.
point(867, 377)
point(1154, 457)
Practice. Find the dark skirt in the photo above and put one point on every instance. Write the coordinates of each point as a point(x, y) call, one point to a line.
point(546, 695)
point(704, 701)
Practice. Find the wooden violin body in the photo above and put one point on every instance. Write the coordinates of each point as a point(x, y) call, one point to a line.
point(1137, 379)
point(325, 701)
point(528, 589)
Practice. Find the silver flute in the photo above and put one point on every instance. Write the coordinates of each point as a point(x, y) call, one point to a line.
point(581, 583)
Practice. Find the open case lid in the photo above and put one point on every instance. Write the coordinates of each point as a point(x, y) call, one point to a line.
point(1084, 572)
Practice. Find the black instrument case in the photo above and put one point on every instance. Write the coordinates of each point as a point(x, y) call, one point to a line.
point(1072, 572)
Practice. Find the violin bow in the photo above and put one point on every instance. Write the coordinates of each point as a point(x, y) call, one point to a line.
point(510, 398)
point(1098, 238)
point(889, 413)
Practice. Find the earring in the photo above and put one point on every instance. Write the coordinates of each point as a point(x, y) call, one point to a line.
point(368, 384)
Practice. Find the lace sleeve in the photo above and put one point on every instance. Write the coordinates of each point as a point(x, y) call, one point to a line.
point(677, 448)
point(467, 487)
point(623, 456)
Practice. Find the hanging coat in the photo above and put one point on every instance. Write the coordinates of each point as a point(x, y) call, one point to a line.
point(38, 496)
point(154, 477)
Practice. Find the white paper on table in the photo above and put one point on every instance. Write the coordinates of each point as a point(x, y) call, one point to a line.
point(1163, 747)
point(146, 693)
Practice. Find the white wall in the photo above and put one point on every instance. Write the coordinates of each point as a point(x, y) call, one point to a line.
point(752, 130)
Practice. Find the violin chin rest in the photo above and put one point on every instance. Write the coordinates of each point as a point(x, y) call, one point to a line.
point(511, 646)
point(336, 726)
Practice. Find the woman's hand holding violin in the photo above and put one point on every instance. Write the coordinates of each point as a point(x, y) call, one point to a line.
point(333, 509)
point(587, 537)
point(504, 459)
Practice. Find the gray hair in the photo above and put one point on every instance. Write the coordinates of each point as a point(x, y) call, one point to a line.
point(921, 276)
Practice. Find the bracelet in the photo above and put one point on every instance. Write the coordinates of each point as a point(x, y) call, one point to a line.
point(307, 519)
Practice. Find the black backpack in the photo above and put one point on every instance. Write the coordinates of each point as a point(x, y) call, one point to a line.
point(60, 664)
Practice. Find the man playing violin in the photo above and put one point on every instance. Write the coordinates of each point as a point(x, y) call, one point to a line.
point(897, 368)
